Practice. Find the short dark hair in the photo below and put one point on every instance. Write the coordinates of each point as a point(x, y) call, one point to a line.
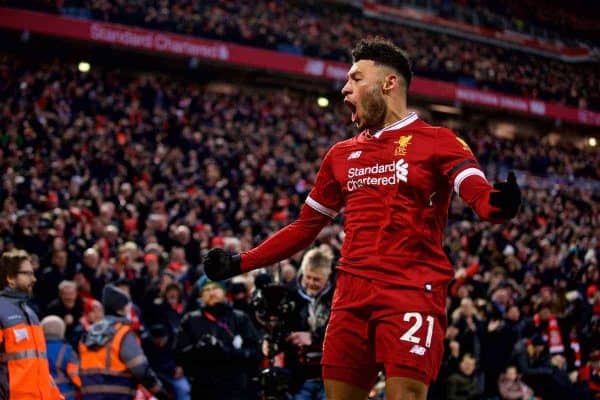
point(10, 264)
point(384, 51)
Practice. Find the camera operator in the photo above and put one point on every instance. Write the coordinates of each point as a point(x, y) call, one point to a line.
point(315, 292)
point(218, 347)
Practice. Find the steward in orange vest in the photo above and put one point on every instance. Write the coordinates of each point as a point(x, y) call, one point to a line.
point(112, 362)
point(24, 371)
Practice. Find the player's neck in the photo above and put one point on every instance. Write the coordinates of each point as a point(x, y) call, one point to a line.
point(394, 114)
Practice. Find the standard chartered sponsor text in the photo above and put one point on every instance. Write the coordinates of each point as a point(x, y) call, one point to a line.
point(176, 45)
point(121, 36)
point(160, 42)
point(390, 174)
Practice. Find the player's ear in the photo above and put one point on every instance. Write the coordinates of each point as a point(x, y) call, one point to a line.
point(390, 81)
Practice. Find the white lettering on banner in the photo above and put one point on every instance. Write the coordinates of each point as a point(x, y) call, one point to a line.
point(335, 72)
point(474, 96)
point(588, 117)
point(121, 36)
point(314, 67)
point(513, 103)
point(537, 107)
point(393, 173)
point(178, 46)
point(158, 42)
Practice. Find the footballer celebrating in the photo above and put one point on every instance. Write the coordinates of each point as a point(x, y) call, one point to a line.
point(394, 180)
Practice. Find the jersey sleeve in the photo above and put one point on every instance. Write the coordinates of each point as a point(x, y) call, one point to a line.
point(458, 164)
point(456, 160)
point(326, 196)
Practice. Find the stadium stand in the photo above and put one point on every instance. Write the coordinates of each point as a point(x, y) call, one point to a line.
point(326, 31)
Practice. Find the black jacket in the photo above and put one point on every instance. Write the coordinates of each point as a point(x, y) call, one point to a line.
point(313, 316)
point(547, 381)
point(219, 349)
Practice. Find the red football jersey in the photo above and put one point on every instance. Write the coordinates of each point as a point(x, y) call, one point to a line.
point(395, 187)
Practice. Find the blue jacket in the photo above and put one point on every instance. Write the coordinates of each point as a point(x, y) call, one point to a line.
point(64, 366)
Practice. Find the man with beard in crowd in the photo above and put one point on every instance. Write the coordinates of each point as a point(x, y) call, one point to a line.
point(24, 370)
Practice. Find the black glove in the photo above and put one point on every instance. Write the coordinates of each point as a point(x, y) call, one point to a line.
point(219, 265)
point(212, 348)
point(507, 198)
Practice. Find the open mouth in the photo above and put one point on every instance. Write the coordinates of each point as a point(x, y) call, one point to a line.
point(352, 108)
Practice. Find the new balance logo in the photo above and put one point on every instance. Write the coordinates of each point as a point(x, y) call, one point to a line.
point(402, 170)
point(354, 155)
point(418, 350)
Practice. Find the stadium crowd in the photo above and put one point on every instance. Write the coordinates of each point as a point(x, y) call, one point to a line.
point(129, 179)
point(326, 31)
point(556, 22)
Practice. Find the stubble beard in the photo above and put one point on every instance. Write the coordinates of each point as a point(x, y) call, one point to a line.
point(27, 289)
point(374, 109)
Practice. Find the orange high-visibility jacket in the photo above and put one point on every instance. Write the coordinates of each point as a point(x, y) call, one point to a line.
point(103, 374)
point(24, 370)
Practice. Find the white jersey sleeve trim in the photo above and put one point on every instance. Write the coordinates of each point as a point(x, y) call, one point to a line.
point(315, 205)
point(464, 175)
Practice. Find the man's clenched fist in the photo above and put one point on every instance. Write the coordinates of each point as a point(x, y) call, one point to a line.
point(506, 197)
point(220, 265)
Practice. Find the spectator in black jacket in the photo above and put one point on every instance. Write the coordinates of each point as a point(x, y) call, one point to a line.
point(69, 307)
point(157, 346)
point(218, 347)
point(545, 375)
point(46, 288)
point(464, 384)
point(167, 309)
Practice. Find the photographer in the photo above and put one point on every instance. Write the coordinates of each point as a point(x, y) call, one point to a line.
point(315, 292)
point(218, 347)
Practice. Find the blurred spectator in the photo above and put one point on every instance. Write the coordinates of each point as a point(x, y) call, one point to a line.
point(182, 238)
point(315, 290)
point(547, 324)
point(543, 374)
point(464, 384)
point(93, 312)
point(92, 273)
point(511, 387)
point(167, 309)
point(240, 297)
point(62, 358)
point(112, 361)
point(288, 275)
point(470, 327)
point(158, 345)
point(40, 243)
point(68, 306)
point(218, 347)
point(134, 313)
point(498, 342)
point(46, 288)
point(589, 375)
